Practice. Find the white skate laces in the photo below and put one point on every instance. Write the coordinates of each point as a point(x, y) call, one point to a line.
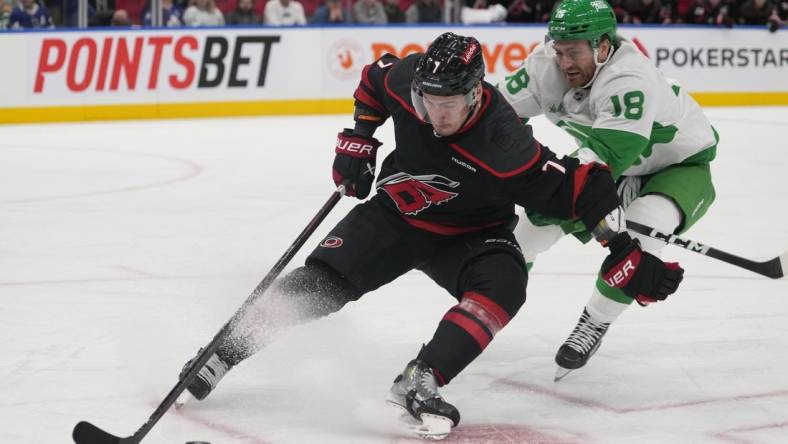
point(586, 334)
point(581, 344)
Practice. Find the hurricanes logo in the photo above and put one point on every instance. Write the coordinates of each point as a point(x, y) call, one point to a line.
point(413, 194)
point(332, 242)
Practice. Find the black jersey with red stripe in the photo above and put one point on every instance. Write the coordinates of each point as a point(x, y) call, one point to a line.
point(473, 178)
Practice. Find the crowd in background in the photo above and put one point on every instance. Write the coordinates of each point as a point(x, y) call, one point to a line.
point(19, 14)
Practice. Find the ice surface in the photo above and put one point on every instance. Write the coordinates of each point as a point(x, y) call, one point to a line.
point(125, 246)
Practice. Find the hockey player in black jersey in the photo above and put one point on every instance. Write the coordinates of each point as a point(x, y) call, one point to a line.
point(444, 204)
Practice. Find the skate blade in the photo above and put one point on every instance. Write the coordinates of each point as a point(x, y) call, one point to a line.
point(182, 399)
point(433, 427)
point(561, 372)
point(430, 427)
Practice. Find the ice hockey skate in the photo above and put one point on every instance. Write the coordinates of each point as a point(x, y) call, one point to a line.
point(581, 344)
point(205, 381)
point(415, 395)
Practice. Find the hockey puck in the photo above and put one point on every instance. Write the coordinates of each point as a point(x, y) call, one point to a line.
point(197, 442)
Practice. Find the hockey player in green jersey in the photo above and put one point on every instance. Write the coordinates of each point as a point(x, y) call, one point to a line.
point(624, 113)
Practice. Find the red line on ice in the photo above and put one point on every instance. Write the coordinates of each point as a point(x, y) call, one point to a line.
point(602, 406)
point(724, 435)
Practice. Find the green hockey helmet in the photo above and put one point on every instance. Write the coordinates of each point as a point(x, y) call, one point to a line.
point(582, 20)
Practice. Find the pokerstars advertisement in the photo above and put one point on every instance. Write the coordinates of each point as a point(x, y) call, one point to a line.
point(191, 65)
point(708, 59)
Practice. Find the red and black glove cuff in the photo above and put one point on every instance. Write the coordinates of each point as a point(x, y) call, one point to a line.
point(353, 145)
point(640, 275)
point(624, 260)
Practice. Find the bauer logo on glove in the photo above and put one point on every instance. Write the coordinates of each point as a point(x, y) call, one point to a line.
point(354, 164)
point(639, 274)
point(353, 148)
point(620, 276)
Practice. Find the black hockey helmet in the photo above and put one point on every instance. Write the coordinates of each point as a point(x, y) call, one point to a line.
point(452, 65)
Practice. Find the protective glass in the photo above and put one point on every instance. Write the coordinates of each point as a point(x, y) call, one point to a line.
point(456, 105)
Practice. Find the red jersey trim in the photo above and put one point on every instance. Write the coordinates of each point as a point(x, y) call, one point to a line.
point(581, 175)
point(363, 97)
point(398, 98)
point(365, 77)
point(501, 174)
point(447, 230)
point(486, 99)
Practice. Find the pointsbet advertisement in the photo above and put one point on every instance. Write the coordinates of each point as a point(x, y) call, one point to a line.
point(75, 75)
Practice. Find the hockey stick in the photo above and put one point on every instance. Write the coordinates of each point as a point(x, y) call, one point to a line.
point(774, 268)
point(87, 433)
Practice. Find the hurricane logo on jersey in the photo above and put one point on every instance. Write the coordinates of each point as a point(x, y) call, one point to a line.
point(414, 194)
point(332, 242)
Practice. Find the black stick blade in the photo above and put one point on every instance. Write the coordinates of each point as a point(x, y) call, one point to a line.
point(87, 433)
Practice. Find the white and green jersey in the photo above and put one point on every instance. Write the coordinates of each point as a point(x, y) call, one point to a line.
point(632, 118)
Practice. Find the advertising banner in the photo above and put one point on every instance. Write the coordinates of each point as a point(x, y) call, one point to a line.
point(75, 75)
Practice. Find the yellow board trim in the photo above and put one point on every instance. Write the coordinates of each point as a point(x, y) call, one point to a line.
point(174, 110)
point(771, 98)
point(286, 107)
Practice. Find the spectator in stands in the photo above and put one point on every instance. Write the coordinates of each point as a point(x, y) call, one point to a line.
point(424, 11)
point(481, 13)
point(756, 12)
point(225, 6)
point(528, 11)
point(29, 14)
point(369, 12)
point(774, 22)
point(5, 13)
point(709, 12)
point(547, 8)
point(120, 18)
point(171, 14)
point(243, 14)
point(203, 13)
point(70, 15)
point(618, 8)
point(782, 10)
point(522, 11)
point(680, 9)
point(646, 11)
point(284, 13)
point(394, 14)
point(331, 12)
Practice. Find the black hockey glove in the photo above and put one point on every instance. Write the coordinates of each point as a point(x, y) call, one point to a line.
point(355, 163)
point(639, 274)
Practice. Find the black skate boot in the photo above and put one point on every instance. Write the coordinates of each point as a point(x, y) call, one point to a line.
point(416, 391)
point(207, 378)
point(581, 344)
